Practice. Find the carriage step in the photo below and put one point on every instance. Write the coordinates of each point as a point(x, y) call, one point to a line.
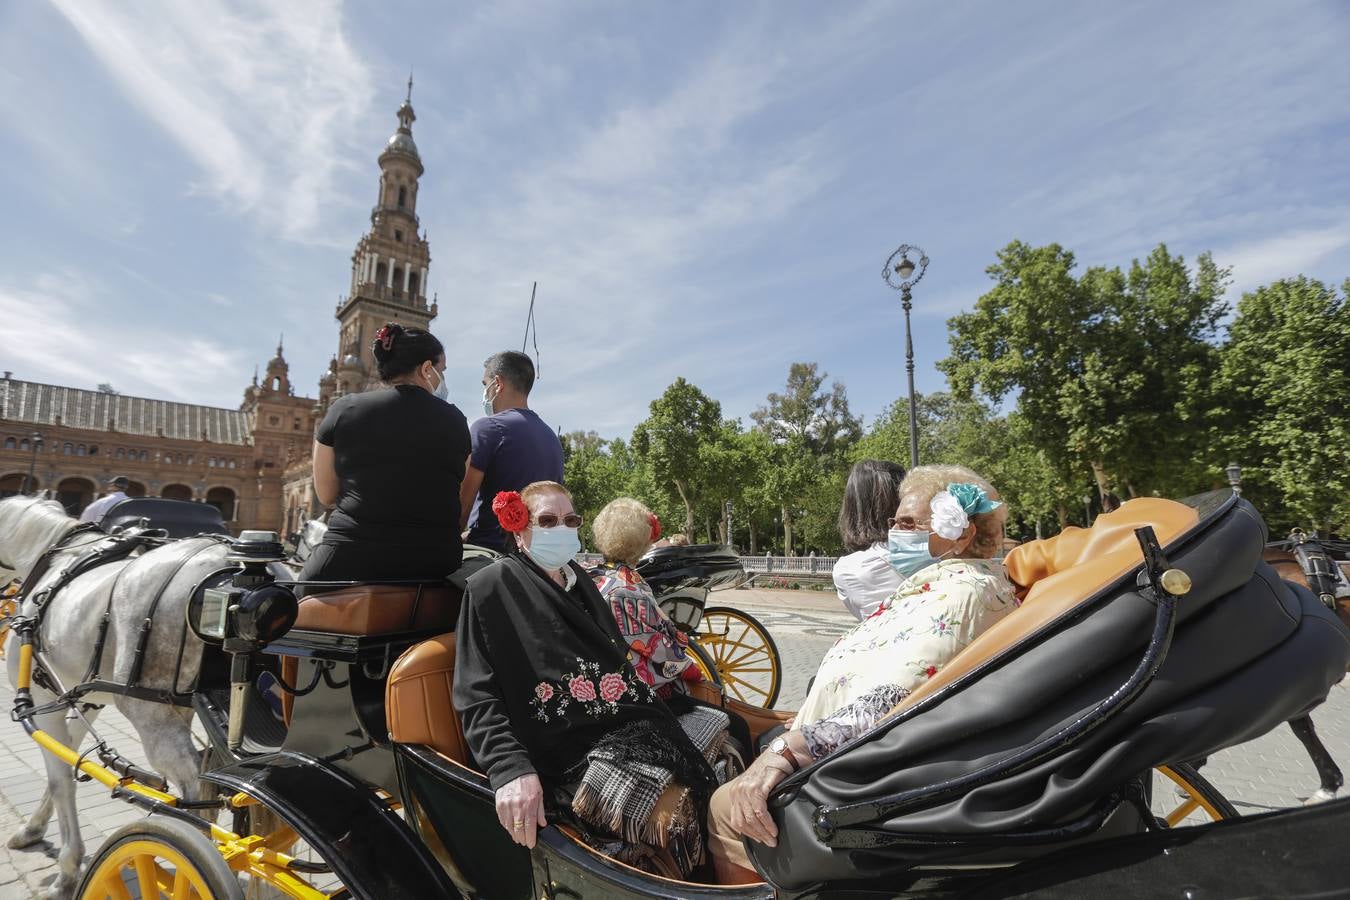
point(263, 732)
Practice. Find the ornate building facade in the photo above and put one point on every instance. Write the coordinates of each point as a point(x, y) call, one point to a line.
point(252, 463)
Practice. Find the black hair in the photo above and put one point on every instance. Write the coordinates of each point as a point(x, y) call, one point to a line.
point(870, 498)
point(400, 350)
point(515, 368)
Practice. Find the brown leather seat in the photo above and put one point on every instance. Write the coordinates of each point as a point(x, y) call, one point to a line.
point(380, 609)
point(1057, 574)
point(419, 699)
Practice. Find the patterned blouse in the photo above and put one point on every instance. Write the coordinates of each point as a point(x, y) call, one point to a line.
point(658, 650)
point(930, 618)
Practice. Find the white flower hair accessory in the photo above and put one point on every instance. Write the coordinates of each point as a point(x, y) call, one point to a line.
point(949, 519)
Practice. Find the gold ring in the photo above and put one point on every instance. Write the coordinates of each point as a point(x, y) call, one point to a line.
point(519, 824)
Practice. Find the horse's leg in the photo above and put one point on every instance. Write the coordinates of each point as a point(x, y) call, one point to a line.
point(61, 794)
point(36, 828)
point(1327, 770)
point(166, 734)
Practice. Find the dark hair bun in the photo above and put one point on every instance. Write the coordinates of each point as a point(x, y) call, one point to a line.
point(399, 350)
point(385, 338)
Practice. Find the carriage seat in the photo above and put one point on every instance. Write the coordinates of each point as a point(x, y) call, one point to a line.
point(1055, 575)
point(419, 699)
point(366, 609)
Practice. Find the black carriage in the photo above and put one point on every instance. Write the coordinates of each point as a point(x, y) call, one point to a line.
point(1023, 770)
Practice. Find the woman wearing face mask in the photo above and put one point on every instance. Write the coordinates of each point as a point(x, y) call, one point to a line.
point(556, 716)
point(389, 462)
point(946, 529)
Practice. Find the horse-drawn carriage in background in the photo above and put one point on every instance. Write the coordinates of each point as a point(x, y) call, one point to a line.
point(1023, 767)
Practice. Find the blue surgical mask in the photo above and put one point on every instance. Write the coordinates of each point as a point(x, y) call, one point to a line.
point(551, 548)
point(442, 390)
point(909, 551)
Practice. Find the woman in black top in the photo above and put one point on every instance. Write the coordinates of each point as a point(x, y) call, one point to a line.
point(390, 463)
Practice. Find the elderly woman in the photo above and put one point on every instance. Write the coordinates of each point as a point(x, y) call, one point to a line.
point(554, 713)
point(865, 577)
point(659, 652)
point(946, 528)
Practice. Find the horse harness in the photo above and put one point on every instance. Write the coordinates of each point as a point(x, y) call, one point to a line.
point(119, 547)
point(1316, 564)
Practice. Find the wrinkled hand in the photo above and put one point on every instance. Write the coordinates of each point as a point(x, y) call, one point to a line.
point(750, 794)
point(520, 809)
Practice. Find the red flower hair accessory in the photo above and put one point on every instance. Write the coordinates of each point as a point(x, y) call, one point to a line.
point(386, 337)
point(656, 526)
point(511, 512)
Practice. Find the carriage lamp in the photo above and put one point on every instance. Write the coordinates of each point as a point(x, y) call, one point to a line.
point(1234, 473)
point(242, 608)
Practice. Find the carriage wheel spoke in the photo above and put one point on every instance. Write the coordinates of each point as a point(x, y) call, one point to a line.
point(1181, 812)
point(147, 876)
point(182, 887)
point(115, 887)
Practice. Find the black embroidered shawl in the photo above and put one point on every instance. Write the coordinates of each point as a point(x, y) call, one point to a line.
point(542, 674)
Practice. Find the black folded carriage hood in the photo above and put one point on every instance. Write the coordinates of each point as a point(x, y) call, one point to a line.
point(1249, 652)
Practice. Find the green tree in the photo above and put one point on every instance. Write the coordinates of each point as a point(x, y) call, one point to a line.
point(1284, 402)
point(671, 443)
point(1104, 367)
point(812, 431)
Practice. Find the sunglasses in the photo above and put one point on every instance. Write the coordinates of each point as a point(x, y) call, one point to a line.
point(549, 520)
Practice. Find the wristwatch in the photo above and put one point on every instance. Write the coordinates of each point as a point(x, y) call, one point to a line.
point(780, 746)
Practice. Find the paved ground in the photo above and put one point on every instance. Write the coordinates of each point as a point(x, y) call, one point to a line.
point(1269, 773)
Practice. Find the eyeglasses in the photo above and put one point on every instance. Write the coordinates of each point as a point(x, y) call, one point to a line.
point(549, 520)
point(906, 522)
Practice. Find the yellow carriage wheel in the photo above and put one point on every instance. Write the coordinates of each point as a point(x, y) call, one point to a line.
point(157, 858)
point(1182, 796)
point(743, 653)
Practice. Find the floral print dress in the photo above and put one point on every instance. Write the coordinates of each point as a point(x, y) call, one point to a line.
point(930, 618)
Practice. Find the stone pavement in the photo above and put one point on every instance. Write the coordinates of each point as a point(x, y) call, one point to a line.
point(1269, 773)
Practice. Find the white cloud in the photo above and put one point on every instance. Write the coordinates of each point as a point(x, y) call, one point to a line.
point(1281, 255)
point(51, 332)
point(262, 97)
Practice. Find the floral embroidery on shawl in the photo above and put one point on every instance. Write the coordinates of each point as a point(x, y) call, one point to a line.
point(595, 692)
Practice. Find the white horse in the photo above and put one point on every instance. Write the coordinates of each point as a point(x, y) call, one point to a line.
point(70, 627)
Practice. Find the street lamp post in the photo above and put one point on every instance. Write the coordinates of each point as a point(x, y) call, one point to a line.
point(36, 440)
point(1087, 510)
point(901, 274)
point(1234, 473)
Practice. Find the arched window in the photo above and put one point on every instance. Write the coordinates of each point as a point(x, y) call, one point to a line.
point(413, 285)
point(402, 196)
point(10, 443)
point(144, 455)
point(67, 448)
point(93, 449)
point(80, 450)
point(381, 273)
point(23, 444)
point(232, 464)
point(121, 453)
point(398, 278)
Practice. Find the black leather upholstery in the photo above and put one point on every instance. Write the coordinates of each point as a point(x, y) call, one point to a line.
point(1249, 652)
point(177, 517)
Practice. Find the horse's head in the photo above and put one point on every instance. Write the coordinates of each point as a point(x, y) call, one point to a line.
point(28, 526)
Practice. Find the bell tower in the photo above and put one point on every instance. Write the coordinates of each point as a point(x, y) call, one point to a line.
point(389, 267)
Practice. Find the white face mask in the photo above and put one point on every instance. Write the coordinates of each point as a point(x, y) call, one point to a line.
point(442, 390)
point(487, 400)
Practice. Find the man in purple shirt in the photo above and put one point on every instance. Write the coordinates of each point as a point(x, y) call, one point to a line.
point(512, 447)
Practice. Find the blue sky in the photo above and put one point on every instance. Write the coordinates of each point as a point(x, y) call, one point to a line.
point(701, 189)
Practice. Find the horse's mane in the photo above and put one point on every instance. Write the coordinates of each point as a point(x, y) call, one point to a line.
point(28, 526)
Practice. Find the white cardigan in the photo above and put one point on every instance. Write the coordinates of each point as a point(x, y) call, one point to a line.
point(864, 579)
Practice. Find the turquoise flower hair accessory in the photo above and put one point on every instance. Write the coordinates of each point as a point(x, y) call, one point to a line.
point(973, 499)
